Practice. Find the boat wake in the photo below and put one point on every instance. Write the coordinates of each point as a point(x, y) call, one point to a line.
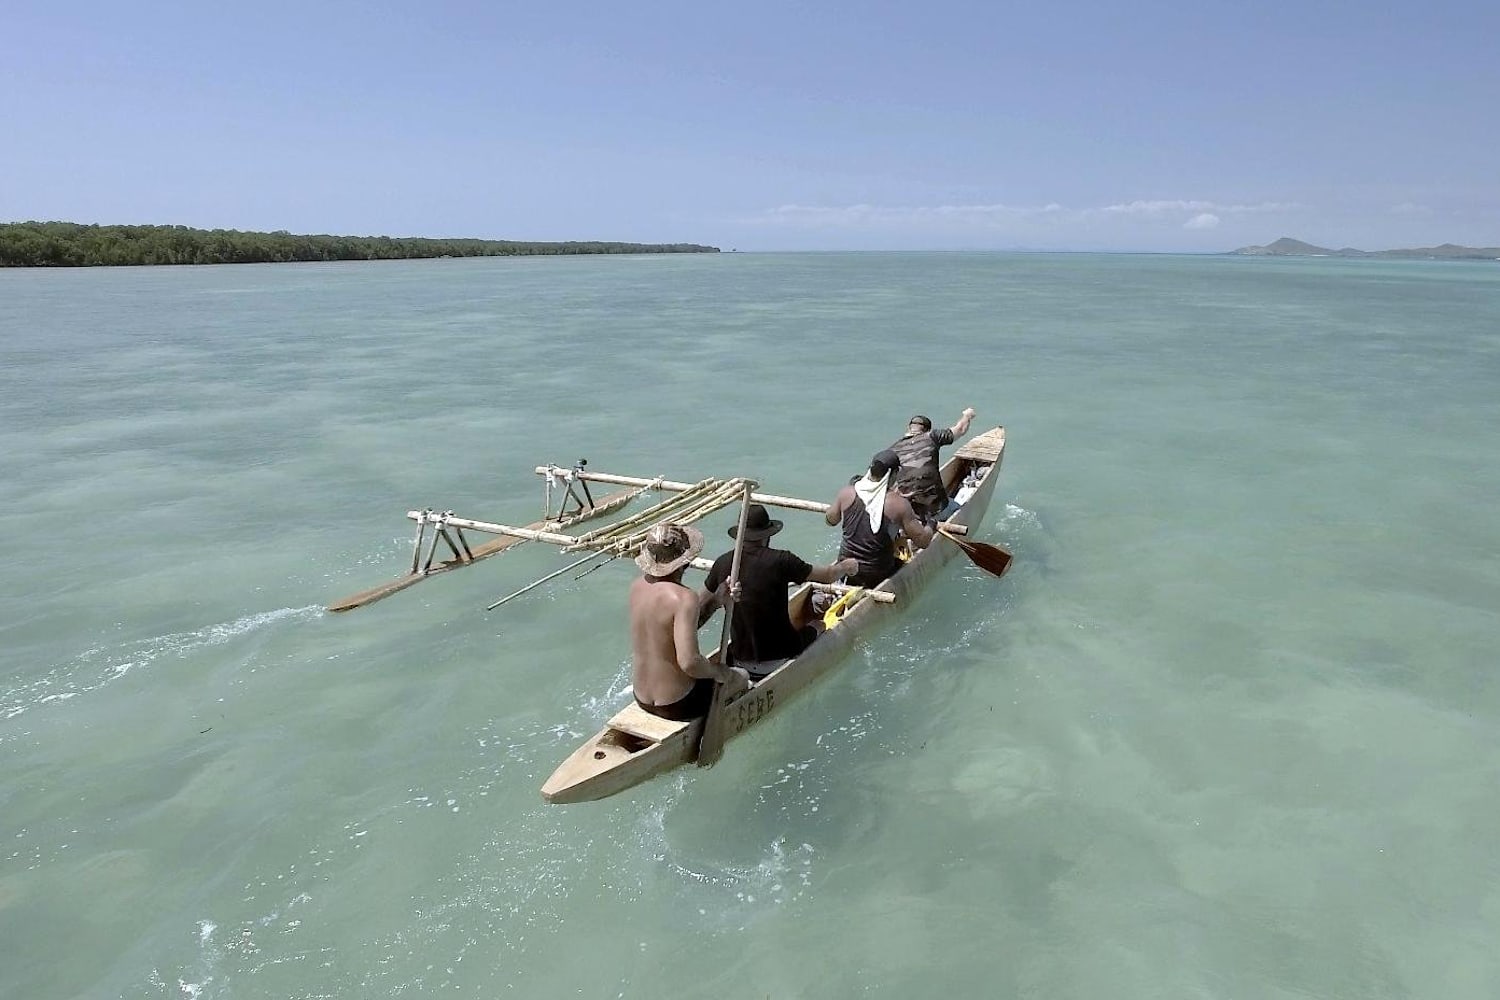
point(95, 668)
point(732, 895)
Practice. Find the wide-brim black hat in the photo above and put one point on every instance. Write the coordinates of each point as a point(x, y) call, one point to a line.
point(759, 524)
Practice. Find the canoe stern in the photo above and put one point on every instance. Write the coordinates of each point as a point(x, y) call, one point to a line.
point(632, 747)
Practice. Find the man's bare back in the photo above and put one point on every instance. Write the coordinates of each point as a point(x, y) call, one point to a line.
point(666, 662)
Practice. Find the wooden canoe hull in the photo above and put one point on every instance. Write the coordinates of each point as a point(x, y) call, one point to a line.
point(635, 746)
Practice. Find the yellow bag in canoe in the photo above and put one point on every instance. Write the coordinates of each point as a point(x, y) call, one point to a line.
point(840, 607)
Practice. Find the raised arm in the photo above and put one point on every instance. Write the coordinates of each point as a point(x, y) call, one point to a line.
point(964, 419)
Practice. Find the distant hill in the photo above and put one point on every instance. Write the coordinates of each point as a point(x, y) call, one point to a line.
point(70, 244)
point(1288, 247)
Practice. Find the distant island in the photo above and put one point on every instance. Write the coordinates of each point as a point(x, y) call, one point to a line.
point(1288, 247)
point(72, 244)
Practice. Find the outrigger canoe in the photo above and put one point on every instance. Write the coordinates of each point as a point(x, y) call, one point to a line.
point(635, 745)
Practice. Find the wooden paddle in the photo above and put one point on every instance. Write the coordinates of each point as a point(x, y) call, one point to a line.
point(711, 743)
point(990, 558)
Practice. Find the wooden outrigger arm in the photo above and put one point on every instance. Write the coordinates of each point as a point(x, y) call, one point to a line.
point(572, 542)
point(494, 528)
point(425, 561)
point(690, 502)
point(768, 499)
point(671, 486)
point(693, 503)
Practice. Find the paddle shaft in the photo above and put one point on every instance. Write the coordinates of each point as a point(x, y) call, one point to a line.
point(711, 745)
point(725, 636)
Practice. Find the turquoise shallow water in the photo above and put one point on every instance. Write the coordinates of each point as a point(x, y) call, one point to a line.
point(1229, 728)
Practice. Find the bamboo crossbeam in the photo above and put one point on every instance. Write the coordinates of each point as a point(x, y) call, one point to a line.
point(568, 542)
point(726, 493)
point(700, 507)
point(623, 538)
point(656, 512)
point(556, 538)
point(552, 537)
point(767, 499)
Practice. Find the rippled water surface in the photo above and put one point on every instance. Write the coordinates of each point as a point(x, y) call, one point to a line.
point(1229, 728)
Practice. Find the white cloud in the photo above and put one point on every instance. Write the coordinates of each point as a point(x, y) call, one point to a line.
point(879, 215)
point(1157, 208)
point(1192, 214)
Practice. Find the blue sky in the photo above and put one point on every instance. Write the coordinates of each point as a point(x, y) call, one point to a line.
point(921, 125)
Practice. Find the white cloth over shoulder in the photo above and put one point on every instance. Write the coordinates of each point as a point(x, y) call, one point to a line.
point(871, 493)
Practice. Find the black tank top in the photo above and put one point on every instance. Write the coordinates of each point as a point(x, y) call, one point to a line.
point(876, 551)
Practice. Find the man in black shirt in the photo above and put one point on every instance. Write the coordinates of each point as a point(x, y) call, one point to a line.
point(920, 480)
point(762, 634)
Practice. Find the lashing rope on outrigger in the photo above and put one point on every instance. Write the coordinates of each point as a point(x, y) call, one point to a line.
point(699, 501)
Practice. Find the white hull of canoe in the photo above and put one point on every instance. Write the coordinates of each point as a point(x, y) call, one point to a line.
point(636, 746)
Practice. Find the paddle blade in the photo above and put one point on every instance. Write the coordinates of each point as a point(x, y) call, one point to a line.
point(990, 558)
point(711, 741)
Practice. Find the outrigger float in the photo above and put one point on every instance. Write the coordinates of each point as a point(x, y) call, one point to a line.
point(636, 745)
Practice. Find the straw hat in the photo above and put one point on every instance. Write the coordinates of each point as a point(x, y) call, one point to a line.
point(667, 548)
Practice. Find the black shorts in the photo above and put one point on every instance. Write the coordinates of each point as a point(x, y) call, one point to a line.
point(691, 705)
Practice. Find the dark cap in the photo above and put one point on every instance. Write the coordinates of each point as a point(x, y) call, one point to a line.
point(883, 462)
point(923, 422)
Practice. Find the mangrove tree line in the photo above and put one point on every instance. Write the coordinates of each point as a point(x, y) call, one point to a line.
point(71, 244)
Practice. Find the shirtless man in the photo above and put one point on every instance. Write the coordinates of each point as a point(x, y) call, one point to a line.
point(671, 678)
point(871, 512)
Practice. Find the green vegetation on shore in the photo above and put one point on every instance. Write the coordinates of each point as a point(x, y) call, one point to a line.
point(1288, 247)
point(72, 244)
